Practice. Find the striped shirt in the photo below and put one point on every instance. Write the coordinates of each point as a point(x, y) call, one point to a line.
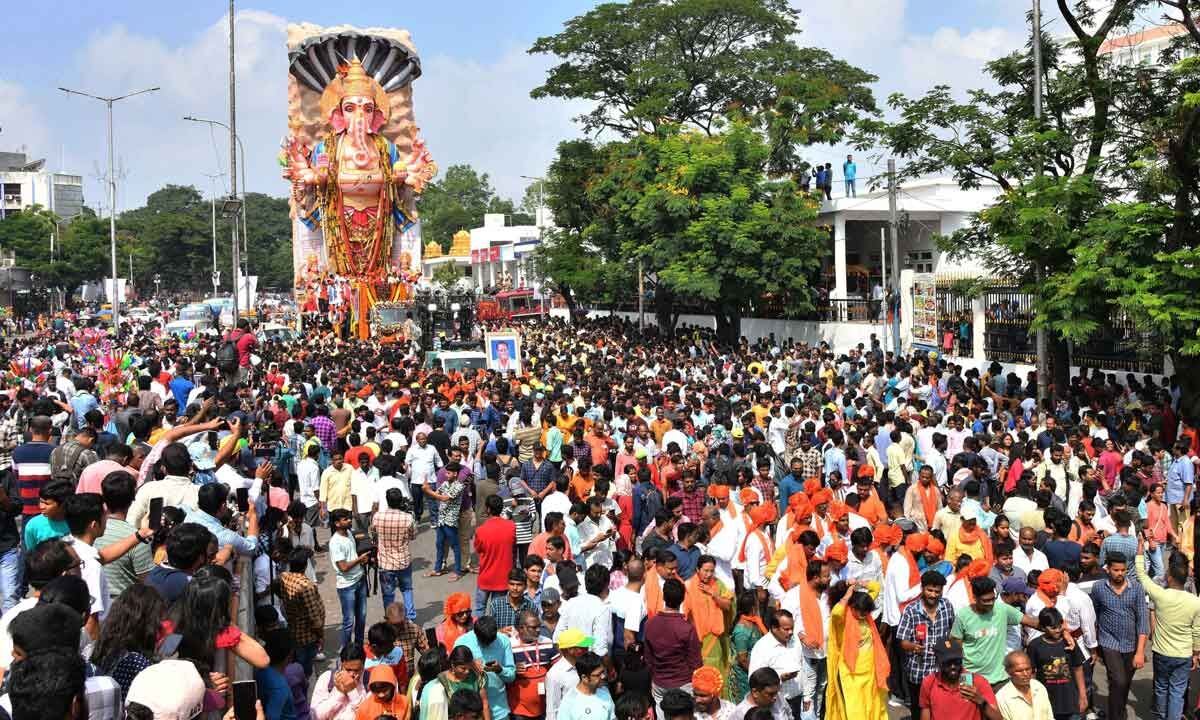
point(32, 461)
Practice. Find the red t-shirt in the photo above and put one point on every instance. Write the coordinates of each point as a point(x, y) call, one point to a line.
point(946, 703)
point(494, 541)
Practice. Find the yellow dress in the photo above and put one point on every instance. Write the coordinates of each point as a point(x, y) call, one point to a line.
point(851, 692)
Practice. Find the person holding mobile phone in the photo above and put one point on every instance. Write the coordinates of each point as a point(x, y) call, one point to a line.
point(956, 693)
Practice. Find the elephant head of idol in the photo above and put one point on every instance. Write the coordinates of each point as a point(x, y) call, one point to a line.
point(356, 107)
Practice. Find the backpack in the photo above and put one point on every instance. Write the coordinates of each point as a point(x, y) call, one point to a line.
point(228, 359)
point(62, 461)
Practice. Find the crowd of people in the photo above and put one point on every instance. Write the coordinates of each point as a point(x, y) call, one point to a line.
point(643, 527)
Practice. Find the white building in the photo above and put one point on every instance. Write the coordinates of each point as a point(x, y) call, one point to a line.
point(500, 251)
point(1143, 47)
point(927, 208)
point(26, 183)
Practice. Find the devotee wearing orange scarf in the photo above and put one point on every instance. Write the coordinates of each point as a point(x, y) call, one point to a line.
point(821, 522)
point(799, 514)
point(786, 568)
point(959, 591)
point(922, 500)
point(836, 555)
point(1050, 586)
point(869, 504)
point(902, 581)
point(708, 606)
point(857, 659)
point(807, 603)
point(970, 539)
point(757, 548)
point(457, 622)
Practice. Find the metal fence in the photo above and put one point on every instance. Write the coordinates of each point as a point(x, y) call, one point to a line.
point(1008, 314)
point(955, 317)
point(1121, 345)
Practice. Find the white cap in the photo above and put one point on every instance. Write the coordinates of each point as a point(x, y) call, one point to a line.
point(171, 689)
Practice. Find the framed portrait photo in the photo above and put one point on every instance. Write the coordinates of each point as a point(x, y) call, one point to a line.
point(503, 351)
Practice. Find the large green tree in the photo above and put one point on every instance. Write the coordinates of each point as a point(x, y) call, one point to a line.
point(81, 252)
point(701, 215)
point(1055, 172)
point(579, 258)
point(1140, 254)
point(647, 64)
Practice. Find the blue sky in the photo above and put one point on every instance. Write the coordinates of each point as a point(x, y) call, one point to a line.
point(472, 102)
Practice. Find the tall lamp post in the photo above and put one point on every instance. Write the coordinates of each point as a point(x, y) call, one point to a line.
point(242, 152)
point(112, 192)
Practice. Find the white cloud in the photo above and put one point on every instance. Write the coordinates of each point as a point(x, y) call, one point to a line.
point(482, 114)
point(876, 35)
point(469, 112)
point(21, 120)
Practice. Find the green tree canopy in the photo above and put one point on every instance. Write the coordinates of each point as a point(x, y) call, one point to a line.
point(458, 200)
point(647, 64)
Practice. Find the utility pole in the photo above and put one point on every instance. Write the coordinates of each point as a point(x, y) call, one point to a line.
point(1043, 359)
point(883, 279)
point(216, 275)
point(233, 220)
point(894, 231)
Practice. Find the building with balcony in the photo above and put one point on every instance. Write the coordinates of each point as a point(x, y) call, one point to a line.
point(26, 182)
point(853, 276)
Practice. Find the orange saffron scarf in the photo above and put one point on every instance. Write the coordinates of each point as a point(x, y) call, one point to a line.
point(810, 616)
point(969, 538)
point(754, 620)
point(929, 502)
point(654, 596)
point(702, 609)
point(850, 642)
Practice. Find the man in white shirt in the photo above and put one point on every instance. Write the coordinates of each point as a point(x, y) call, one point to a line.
point(423, 461)
point(597, 535)
point(1027, 557)
point(815, 672)
point(779, 651)
point(308, 478)
point(863, 564)
point(588, 611)
point(723, 542)
point(627, 602)
point(557, 501)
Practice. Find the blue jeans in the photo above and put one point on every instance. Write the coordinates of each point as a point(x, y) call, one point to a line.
point(850, 188)
point(447, 535)
point(479, 608)
point(1170, 685)
point(305, 656)
point(12, 578)
point(353, 600)
point(390, 581)
point(1154, 562)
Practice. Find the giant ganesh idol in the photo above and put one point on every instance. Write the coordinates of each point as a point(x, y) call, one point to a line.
point(357, 165)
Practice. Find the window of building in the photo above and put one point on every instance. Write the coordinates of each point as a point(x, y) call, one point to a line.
point(919, 261)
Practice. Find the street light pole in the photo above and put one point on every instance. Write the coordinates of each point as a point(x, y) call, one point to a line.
point(245, 226)
point(112, 193)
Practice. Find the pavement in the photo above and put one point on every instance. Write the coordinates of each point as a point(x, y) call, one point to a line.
point(429, 593)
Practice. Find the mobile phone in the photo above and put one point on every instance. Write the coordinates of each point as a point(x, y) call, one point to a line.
point(264, 452)
point(965, 679)
point(431, 636)
point(245, 694)
point(156, 508)
point(243, 499)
